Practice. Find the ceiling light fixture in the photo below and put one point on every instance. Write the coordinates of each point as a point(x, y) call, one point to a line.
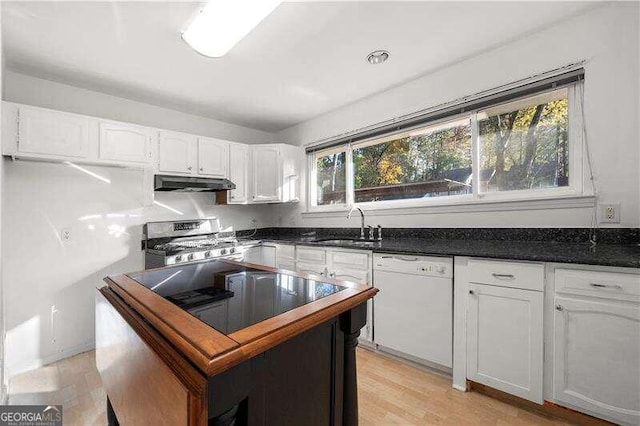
point(223, 23)
point(378, 56)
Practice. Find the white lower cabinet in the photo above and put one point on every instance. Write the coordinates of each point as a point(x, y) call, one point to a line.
point(505, 339)
point(253, 255)
point(596, 353)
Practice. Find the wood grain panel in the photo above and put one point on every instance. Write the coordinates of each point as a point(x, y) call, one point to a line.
point(213, 352)
point(147, 381)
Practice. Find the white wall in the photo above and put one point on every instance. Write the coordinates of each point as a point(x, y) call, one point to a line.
point(29, 90)
point(40, 271)
point(607, 37)
point(39, 199)
point(2, 311)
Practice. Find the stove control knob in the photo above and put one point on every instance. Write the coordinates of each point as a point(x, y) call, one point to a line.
point(223, 252)
point(440, 269)
point(232, 250)
point(207, 254)
point(190, 257)
point(178, 259)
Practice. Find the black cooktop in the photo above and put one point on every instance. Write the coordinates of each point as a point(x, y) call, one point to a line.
point(230, 297)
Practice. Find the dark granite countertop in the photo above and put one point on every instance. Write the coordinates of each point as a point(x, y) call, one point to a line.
point(605, 254)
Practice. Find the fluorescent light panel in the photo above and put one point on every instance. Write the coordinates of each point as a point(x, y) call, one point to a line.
point(223, 23)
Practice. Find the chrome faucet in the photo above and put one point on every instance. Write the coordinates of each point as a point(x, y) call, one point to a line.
point(361, 217)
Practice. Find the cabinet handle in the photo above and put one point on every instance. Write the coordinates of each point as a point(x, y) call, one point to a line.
point(503, 276)
point(332, 275)
point(614, 286)
point(559, 308)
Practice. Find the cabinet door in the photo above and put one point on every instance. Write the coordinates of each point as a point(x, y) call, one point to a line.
point(596, 359)
point(53, 133)
point(358, 276)
point(311, 268)
point(214, 315)
point(237, 312)
point(176, 153)
point(269, 256)
point(504, 340)
point(213, 157)
point(124, 143)
point(253, 255)
point(238, 166)
point(267, 174)
point(263, 296)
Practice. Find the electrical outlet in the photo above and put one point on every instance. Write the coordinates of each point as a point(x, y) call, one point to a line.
point(65, 235)
point(609, 212)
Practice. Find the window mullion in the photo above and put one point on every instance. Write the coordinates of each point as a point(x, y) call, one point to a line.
point(349, 178)
point(475, 154)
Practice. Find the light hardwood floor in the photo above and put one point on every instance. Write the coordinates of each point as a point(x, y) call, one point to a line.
point(389, 392)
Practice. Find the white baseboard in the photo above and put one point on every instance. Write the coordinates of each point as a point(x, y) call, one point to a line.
point(32, 364)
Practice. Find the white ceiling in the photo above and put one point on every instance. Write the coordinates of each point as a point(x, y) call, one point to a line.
point(304, 60)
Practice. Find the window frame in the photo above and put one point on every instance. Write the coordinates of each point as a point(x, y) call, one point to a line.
point(575, 188)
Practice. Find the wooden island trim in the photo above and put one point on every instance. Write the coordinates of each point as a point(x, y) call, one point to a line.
point(211, 351)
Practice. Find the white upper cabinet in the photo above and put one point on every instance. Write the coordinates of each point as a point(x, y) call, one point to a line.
point(267, 173)
point(52, 133)
point(124, 143)
point(176, 153)
point(213, 157)
point(238, 167)
point(274, 173)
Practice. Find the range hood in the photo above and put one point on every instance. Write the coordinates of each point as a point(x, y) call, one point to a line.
point(191, 184)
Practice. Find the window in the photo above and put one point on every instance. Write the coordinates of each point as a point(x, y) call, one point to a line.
point(524, 144)
point(429, 162)
point(331, 175)
point(507, 150)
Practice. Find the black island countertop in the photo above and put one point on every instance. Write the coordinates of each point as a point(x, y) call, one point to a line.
point(619, 247)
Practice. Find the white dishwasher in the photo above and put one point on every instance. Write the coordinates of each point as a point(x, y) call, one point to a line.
point(413, 312)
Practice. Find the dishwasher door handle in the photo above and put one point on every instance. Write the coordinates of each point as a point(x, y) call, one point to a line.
point(403, 258)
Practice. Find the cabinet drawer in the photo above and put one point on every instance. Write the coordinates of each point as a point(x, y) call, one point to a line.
point(285, 251)
point(310, 254)
point(356, 276)
point(352, 259)
point(527, 276)
point(611, 285)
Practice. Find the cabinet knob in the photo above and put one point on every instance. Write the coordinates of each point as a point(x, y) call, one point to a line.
point(189, 168)
point(559, 308)
point(472, 292)
point(201, 169)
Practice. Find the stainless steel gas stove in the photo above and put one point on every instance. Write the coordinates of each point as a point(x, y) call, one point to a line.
point(185, 241)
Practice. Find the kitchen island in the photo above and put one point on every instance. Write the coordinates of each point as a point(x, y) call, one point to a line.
point(223, 343)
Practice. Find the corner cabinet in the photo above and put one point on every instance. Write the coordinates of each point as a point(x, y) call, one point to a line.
point(596, 337)
point(238, 168)
point(274, 173)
